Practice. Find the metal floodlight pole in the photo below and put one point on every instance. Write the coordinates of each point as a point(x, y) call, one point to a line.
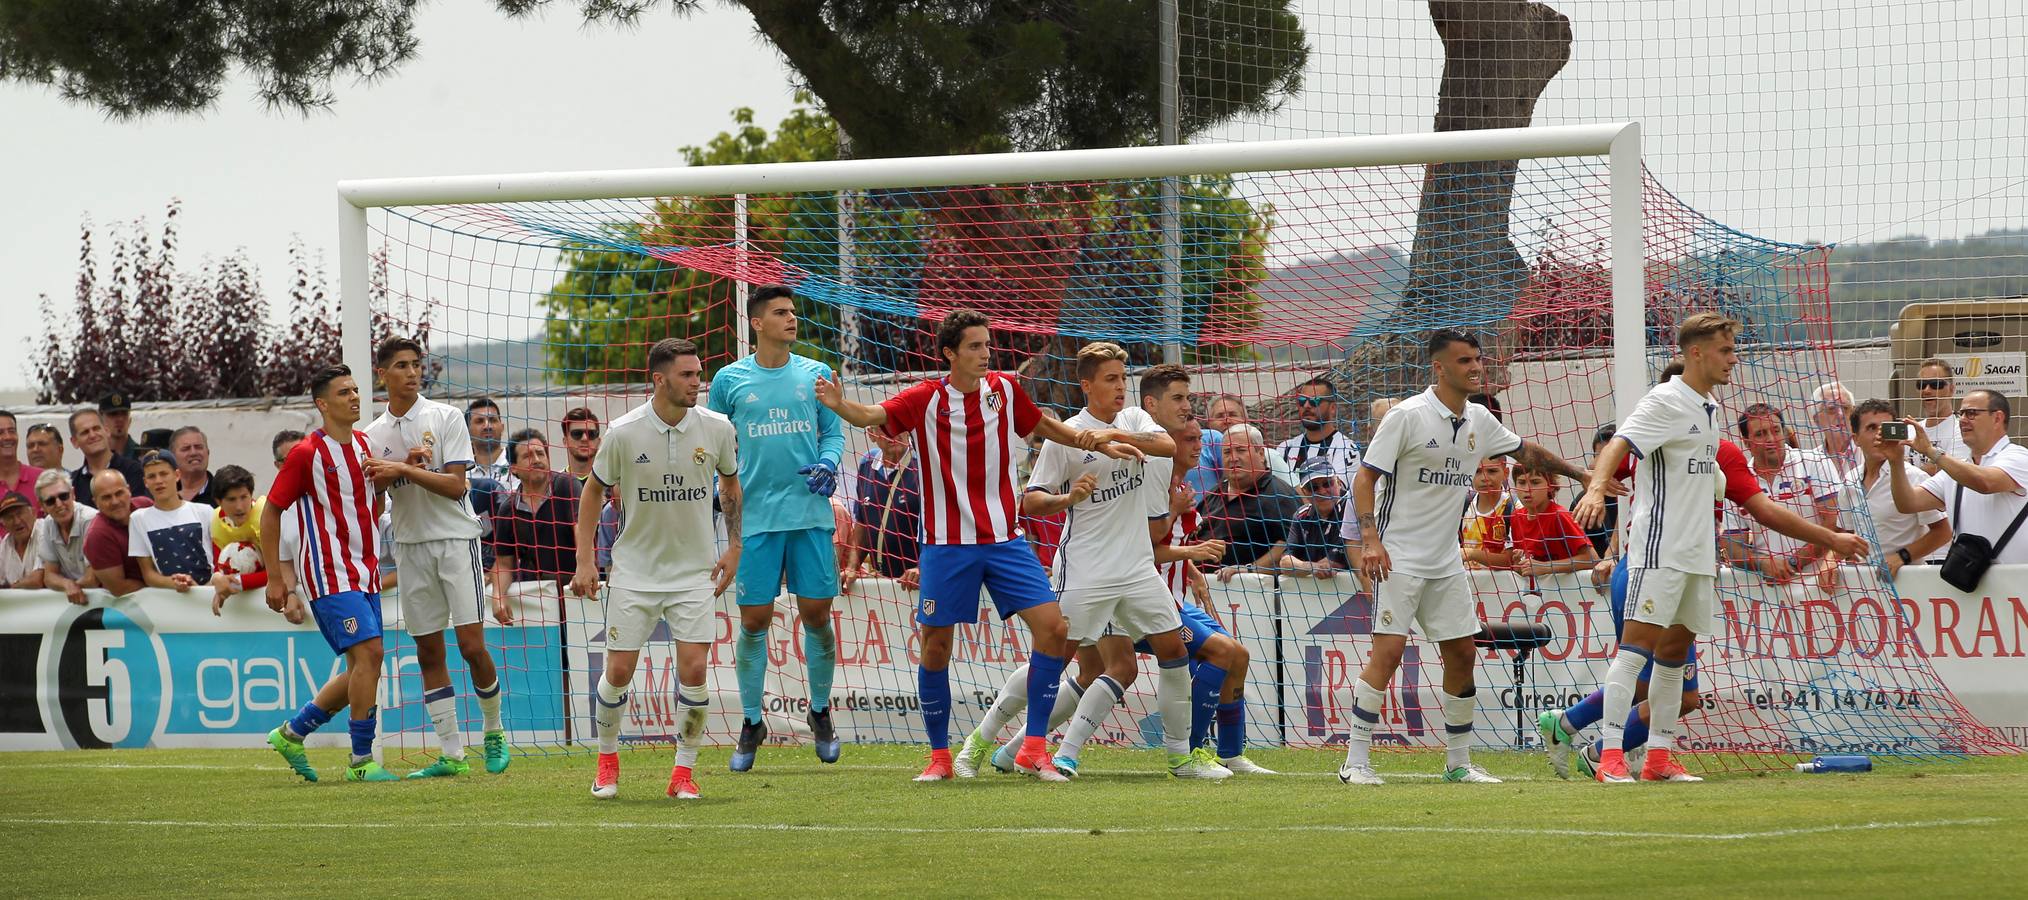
point(1171, 288)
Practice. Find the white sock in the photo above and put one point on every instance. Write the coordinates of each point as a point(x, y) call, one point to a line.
point(1458, 713)
point(489, 704)
point(1619, 697)
point(1366, 700)
point(442, 705)
point(1068, 696)
point(1098, 703)
point(609, 708)
point(694, 704)
point(1665, 706)
point(1172, 697)
point(1010, 704)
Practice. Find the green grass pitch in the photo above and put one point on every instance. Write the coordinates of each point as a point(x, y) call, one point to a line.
point(218, 823)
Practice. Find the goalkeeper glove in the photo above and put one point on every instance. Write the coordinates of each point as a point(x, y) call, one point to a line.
point(821, 477)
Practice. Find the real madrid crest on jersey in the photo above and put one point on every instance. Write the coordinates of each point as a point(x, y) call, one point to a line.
point(429, 439)
point(697, 456)
point(1472, 441)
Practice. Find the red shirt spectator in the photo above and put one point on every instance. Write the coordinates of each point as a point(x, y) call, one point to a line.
point(105, 545)
point(1550, 534)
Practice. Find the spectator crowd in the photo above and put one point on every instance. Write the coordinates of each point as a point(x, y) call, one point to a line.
point(151, 512)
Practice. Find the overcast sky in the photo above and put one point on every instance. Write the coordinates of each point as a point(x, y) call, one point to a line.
point(1830, 120)
point(485, 94)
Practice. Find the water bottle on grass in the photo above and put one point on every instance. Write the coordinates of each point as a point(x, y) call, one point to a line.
point(1840, 763)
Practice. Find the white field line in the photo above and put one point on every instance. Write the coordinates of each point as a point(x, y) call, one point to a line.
point(880, 829)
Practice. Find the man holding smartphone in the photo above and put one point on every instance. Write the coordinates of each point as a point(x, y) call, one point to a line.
point(1901, 538)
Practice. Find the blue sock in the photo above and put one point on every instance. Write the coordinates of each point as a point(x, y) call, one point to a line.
point(1637, 730)
point(1232, 728)
point(820, 657)
point(933, 687)
point(750, 663)
point(1206, 680)
point(308, 719)
point(1586, 712)
point(362, 735)
point(1045, 678)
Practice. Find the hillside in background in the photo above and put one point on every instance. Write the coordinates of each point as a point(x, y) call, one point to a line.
point(1870, 282)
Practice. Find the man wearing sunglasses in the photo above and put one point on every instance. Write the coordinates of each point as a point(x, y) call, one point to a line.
point(1982, 494)
point(580, 441)
point(1317, 407)
point(60, 535)
point(1935, 385)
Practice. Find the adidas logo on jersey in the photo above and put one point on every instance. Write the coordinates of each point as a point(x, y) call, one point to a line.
point(1089, 456)
point(752, 397)
point(1432, 445)
point(642, 459)
point(1693, 430)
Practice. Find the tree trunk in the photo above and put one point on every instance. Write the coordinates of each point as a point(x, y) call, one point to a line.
point(1499, 56)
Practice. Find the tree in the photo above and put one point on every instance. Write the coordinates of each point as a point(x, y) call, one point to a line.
point(154, 331)
point(1092, 273)
point(1499, 56)
point(935, 77)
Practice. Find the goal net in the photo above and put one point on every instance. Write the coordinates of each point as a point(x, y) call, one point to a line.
point(1270, 270)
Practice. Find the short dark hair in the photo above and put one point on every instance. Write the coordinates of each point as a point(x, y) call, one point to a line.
point(951, 331)
point(230, 477)
point(1875, 405)
point(521, 437)
point(479, 404)
point(1760, 411)
point(9, 416)
point(1319, 381)
point(1158, 379)
point(665, 352)
point(384, 354)
point(758, 301)
point(325, 376)
point(1998, 401)
point(287, 437)
point(1673, 370)
point(87, 411)
point(1531, 465)
point(44, 426)
point(579, 414)
point(1604, 434)
point(1444, 337)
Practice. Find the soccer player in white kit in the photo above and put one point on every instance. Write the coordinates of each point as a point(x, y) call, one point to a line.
point(1423, 457)
point(1104, 570)
point(421, 450)
point(1671, 548)
point(661, 457)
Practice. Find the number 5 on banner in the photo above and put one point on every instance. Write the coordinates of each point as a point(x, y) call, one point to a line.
point(111, 717)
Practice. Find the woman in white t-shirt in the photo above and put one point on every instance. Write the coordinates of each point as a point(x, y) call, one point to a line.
point(172, 539)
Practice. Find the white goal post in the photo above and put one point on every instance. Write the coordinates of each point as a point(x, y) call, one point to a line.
point(1618, 143)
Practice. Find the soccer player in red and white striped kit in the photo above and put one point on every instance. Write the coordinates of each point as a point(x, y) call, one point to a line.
point(967, 427)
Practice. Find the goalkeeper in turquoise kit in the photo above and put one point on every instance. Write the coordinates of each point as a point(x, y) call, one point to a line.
point(789, 448)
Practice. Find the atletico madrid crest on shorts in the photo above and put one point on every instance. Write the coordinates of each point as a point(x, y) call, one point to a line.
point(351, 625)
